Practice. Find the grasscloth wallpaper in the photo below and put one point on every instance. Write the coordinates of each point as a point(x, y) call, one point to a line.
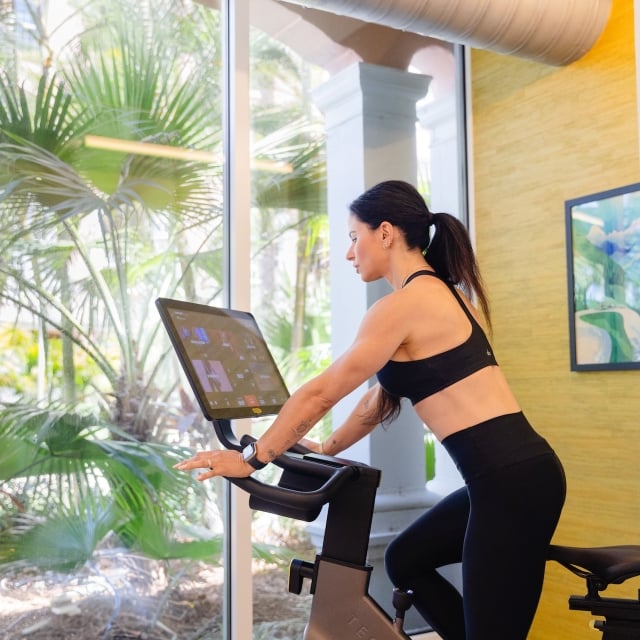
point(542, 135)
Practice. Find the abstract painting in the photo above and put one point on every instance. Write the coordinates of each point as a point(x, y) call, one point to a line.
point(603, 266)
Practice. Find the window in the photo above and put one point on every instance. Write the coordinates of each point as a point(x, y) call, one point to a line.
point(113, 191)
point(111, 172)
point(289, 273)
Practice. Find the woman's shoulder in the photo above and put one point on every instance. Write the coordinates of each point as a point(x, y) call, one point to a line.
point(433, 299)
point(398, 310)
point(390, 313)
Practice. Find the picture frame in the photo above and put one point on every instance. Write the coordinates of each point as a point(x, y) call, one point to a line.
point(603, 276)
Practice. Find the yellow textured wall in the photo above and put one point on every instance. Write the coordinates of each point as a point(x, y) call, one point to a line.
point(542, 135)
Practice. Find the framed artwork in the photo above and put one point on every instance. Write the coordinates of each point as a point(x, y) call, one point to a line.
point(603, 267)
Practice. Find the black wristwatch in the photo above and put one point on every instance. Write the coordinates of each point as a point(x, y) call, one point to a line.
point(250, 455)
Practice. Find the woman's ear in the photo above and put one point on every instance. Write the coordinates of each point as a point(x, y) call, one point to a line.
point(387, 234)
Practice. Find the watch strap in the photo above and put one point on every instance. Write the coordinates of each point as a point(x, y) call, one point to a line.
point(250, 456)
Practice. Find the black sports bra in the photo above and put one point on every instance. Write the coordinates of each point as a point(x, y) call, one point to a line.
point(419, 379)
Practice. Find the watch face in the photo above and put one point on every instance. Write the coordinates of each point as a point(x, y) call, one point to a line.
point(249, 452)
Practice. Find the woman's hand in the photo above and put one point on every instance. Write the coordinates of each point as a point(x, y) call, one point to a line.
point(217, 463)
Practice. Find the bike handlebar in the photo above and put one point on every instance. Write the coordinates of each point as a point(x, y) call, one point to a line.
point(308, 482)
point(284, 499)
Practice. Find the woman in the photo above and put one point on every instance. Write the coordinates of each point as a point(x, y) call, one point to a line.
point(423, 341)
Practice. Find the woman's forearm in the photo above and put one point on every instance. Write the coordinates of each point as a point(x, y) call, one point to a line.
point(314, 399)
point(302, 410)
point(355, 427)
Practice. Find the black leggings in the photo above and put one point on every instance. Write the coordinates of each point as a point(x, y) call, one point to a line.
point(499, 526)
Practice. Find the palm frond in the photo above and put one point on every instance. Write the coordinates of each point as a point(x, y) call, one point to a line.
point(78, 484)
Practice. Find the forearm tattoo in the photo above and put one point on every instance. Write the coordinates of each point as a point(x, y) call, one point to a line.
point(301, 429)
point(298, 431)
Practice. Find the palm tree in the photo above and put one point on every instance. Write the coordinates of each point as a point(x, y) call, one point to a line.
point(90, 236)
point(74, 487)
point(68, 205)
point(290, 131)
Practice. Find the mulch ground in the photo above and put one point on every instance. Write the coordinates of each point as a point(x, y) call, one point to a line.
point(136, 600)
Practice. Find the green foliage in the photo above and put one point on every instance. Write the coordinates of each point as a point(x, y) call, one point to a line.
point(63, 541)
point(68, 485)
point(429, 456)
point(90, 236)
point(80, 252)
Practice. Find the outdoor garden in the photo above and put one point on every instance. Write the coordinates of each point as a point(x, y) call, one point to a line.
point(112, 195)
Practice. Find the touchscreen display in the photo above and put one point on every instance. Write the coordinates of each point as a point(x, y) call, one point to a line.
point(225, 358)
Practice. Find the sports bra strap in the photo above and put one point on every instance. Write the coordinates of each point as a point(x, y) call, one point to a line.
point(422, 272)
point(429, 272)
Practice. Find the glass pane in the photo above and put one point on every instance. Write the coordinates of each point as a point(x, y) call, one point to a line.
point(110, 196)
point(293, 51)
point(438, 129)
point(289, 277)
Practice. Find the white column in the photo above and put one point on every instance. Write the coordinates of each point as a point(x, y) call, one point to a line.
point(439, 118)
point(370, 114)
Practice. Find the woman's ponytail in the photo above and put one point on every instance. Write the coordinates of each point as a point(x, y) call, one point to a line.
point(451, 254)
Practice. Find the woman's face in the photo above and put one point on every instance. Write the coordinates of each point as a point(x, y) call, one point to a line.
point(365, 249)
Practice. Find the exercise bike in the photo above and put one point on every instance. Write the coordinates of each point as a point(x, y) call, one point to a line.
point(339, 577)
point(233, 375)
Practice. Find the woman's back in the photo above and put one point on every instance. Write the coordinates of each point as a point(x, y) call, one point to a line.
point(446, 365)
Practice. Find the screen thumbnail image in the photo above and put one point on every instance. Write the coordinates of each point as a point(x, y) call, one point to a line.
point(212, 376)
point(264, 376)
point(195, 334)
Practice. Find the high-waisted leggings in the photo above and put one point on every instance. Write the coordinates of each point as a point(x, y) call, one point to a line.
point(499, 525)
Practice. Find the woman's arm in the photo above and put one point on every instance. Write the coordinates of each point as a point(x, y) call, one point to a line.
point(379, 336)
point(313, 400)
point(354, 428)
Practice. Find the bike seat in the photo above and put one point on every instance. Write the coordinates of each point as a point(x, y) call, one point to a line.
point(610, 565)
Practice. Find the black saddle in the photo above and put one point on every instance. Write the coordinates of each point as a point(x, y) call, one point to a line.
point(599, 566)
